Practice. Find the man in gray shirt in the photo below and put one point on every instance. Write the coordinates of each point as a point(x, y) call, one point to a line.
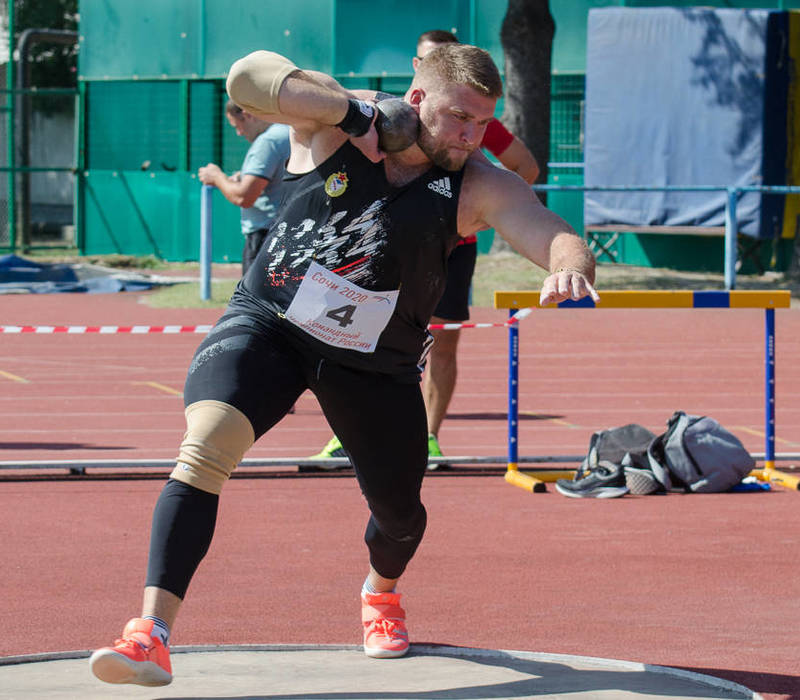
point(257, 187)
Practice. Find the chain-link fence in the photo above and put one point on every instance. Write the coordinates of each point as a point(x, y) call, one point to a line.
point(5, 233)
point(6, 190)
point(566, 120)
point(159, 125)
point(37, 181)
point(46, 157)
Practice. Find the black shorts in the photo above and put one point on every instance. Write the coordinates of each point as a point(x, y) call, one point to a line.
point(381, 422)
point(454, 304)
point(252, 244)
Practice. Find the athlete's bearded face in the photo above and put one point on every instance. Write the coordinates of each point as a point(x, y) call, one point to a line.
point(453, 121)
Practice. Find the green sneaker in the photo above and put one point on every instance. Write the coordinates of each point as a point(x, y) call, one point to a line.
point(435, 451)
point(332, 449)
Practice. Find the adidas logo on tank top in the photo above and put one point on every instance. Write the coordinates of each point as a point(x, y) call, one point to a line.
point(441, 186)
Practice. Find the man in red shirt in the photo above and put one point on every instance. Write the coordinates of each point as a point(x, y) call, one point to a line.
point(441, 370)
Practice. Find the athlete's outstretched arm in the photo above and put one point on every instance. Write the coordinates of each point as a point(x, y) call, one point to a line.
point(506, 204)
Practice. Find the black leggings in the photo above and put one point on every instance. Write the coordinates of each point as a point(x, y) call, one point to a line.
point(381, 423)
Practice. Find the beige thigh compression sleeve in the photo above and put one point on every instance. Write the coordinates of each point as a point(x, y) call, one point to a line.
point(255, 80)
point(217, 436)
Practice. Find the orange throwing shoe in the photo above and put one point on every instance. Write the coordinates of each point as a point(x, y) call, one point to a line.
point(136, 658)
point(385, 634)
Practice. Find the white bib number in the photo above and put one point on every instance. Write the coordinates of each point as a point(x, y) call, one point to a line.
point(338, 312)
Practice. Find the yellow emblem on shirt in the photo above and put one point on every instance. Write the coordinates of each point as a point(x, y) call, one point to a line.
point(336, 184)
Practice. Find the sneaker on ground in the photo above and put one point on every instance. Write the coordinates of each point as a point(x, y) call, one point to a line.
point(385, 634)
point(607, 480)
point(332, 449)
point(435, 451)
point(136, 658)
point(641, 482)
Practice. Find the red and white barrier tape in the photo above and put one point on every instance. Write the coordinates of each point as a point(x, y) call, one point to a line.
point(105, 330)
point(139, 330)
point(522, 313)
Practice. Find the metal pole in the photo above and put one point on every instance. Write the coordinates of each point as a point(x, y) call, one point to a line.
point(80, 163)
point(769, 388)
point(334, 27)
point(11, 145)
point(730, 239)
point(183, 125)
point(513, 393)
point(201, 59)
point(205, 242)
point(473, 21)
point(529, 482)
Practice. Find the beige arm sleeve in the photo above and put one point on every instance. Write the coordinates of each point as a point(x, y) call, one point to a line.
point(255, 80)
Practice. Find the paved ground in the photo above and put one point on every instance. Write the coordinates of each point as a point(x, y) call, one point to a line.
point(670, 580)
point(339, 672)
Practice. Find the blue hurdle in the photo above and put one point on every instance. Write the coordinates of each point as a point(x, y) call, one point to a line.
point(632, 299)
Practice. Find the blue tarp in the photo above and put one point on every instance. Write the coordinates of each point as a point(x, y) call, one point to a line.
point(675, 97)
point(20, 275)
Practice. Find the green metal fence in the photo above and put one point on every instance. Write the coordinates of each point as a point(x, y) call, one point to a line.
point(148, 111)
point(144, 141)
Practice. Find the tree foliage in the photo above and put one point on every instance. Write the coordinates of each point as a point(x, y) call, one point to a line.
point(51, 64)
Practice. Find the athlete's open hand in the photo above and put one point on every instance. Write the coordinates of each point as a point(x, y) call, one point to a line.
point(566, 284)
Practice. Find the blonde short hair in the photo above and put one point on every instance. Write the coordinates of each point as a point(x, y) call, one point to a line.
point(462, 64)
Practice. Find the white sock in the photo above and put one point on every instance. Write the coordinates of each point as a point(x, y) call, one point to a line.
point(369, 588)
point(160, 629)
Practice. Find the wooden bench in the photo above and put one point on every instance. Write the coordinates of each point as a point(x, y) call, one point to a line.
point(747, 246)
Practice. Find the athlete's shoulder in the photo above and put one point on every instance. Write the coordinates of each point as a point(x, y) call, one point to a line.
point(487, 187)
point(479, 170)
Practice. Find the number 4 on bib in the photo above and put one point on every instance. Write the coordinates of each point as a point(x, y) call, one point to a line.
point(343, 315)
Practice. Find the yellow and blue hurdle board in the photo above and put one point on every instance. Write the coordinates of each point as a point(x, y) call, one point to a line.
point(653, 299)
point(647, 299)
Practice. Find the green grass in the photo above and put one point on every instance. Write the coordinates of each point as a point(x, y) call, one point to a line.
point(72, 255)
point(498, 271)
point(509, 271)
point(503, 270)
point(186, 295)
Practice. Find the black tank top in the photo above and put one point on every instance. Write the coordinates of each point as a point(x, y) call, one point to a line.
point(345, 217)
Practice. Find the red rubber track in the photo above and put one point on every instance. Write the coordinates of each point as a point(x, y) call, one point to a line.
point(704, 582)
